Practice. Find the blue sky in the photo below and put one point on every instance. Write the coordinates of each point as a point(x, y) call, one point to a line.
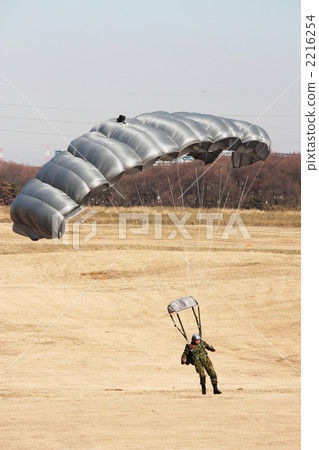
point(79, 63)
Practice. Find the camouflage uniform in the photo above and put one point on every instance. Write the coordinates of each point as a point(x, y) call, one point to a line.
point(197, 355)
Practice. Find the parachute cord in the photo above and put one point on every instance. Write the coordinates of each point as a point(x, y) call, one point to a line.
point(242, 193)
point(182, 327)
point(241, 200)
point(206, 170)
point(139, 196)
point(181, 267)
point(160, 289)
point(201, 201)
point(184, 243)
point(216, 228)
point(225, 184)
point(163, 274)
point(251, 184)
point(183, 193)
point(220, 186)
point(198, 319)
point(158, 286)
point(129, 246)
point(163, 270)
point(242, 316)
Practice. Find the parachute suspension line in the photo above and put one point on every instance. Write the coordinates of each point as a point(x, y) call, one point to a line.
point(184, 243)
point(182, 327)
point(139, 196)
point(198, 319)
point(201, 203)
point(170, 187)
point(171, 191)
point(241, 200)
point(216, 228)
point(181, 330)
point(251, 184)
point(225, 184)
point(206, 170)
point(182, 304)
point(129, 247)
point(164, 272)
point(242, 197)
point(242, 193)
point(285, 358)
point(220, 186)
point(197, 186)
point(150, 263)
point(160, 259)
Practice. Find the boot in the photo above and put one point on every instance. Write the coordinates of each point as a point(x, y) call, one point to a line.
point(203, 384)
point(216, 390)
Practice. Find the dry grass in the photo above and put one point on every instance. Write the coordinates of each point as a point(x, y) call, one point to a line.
point(285, 218)
point(275, 218)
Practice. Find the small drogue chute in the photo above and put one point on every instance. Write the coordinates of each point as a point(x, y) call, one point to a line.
point(181, 304)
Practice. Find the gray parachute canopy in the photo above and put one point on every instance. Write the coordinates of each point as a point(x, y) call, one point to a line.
point(176, 306)
point(99, 158)
point(181, 303)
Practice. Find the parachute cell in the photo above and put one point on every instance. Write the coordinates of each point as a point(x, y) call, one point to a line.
point(180, 304)
point(99, 158)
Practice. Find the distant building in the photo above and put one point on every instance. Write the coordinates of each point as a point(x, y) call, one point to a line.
point(183, 159)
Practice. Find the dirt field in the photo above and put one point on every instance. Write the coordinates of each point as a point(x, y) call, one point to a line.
point(91, 360)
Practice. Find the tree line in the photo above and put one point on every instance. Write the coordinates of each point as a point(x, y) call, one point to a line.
point(275, 183)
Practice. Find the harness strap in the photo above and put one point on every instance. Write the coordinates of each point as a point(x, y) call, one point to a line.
point(181, 330)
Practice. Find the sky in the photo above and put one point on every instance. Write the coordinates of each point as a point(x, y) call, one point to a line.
point(67, 65)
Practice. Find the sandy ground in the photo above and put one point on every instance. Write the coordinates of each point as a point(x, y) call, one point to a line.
point(91, 360)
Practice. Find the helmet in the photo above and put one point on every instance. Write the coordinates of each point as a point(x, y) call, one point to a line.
point(196, 337)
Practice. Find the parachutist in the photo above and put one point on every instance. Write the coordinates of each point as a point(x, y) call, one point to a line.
point(195, 354)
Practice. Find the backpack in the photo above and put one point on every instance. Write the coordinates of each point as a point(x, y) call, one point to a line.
point(190, 357)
